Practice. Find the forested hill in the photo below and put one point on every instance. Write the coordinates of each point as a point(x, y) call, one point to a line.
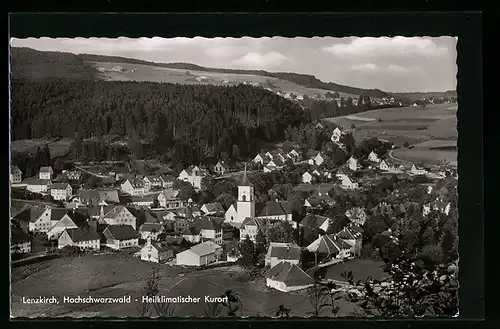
point(196, 120)
point(26, 63)
point(300, 79)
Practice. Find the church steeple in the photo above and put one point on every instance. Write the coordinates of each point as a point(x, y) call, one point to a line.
point(246, 200)
point(244, 180)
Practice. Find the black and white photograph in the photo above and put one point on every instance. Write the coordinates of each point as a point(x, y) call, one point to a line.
point(241, 177)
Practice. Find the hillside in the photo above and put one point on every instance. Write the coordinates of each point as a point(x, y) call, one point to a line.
point(301, 79)
point(29, 64)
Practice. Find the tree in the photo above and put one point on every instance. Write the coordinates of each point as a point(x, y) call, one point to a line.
point(280, 231)
point(282, 311)
point(233, 305)
point(248, 254)
point(319, 299)
point(260, 243)
point(336, 95)
point(236, 152)
point(151, 289)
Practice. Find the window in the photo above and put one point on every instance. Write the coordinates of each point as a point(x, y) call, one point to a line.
point(244, 197)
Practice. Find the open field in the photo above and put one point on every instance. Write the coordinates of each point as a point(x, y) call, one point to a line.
point(112, 276)
point(160, 74)
point(434, 125)
point(56, 147)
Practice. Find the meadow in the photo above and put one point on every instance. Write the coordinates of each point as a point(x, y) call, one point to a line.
point(111, 276)
point(57, 147)
point(161, 74)
point(423, 128)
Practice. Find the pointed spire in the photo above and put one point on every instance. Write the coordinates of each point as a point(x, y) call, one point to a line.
point(244, 181)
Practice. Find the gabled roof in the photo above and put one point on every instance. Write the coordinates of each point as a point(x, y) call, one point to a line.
point(252, 221)
point(350, 233)
point(153, 179)
point(46, 169)
point(284, 251)
point(59, 186)
point(290, 274)
point(136, 183)
point(313, 221)
point(223, 164)
point(79, 234)
point(15, 169)
point(36, 181)
point(114, 212)
point(122, 232)
point(150, 227)
point(167, 178)
point(328, 244)
point(355, 212)
point(276, 208)
point(205, 248)
point(175, 239)
point(209, 223)
point(214, 207)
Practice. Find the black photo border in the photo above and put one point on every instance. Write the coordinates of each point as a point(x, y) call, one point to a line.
point(467, 26)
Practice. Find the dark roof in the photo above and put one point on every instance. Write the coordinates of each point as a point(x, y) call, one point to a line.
point(313, 221)
point(209, 223)
point(19, 236)
point(150, 227)
point(285, 251)
point(46, 169)
point(82, 234)
point(162, 247)
point(328, 244)
point(214, 207)
point(36, 181)
point(290, 274)
point(175, 239)
point(59, 186)
point(122, 232)
point(276, 208)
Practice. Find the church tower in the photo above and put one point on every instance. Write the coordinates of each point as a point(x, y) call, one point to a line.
point(246, 199)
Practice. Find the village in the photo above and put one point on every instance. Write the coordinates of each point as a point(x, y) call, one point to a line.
point(153, 218)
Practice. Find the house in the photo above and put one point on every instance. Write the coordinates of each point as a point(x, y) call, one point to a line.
point(261, 159)
point(83, 238)
point(212, 208)
point(120, 236)
point(288, 277)
point(316, 201)
point(142, 200)
point(306, 177)
point(330, 246)
point(177, 241)
point(34, 219)
point(274, 164)
point(62, 219)
point(16, 175)
point(353, 237)
point(347, 182)
point(319, 126)
point(36, 185)
point(232, 214)
point(151, 231)
point(193, 175)
point(20, 241)
point(152, 182)
point(352, 164)
point(167, 181)
point(282, 252)
point(373, 157)
point(156, 252)
point(221, 167)
point(317, 159)
point(210, 228)
point(337, 133)
point(72, 174)
point(191, 234)
point(417, 170)
point(294, 155)
point(356, 215)
point(133, 186)
point(117, 215)
point(96, 196)
point(46, 173)
point(384, 166)
point(278, 210)
point(250, 227)
point(61, 191)
point(201, 254)
point(315, 222)
point(168, 199)
point(316, 173)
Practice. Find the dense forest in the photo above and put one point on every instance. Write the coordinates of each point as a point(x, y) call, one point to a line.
point(194, 119)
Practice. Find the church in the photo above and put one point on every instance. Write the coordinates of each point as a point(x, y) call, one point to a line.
point(246, 206)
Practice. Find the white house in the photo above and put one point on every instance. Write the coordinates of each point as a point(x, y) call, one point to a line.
point(261, 158)
point(373, 157)
point(306, 177)
point(193, 175)
point(288, 277)
point(36, 185)
point(120, 236)
point(133, 186)
point(168, 200)
point(294, 155)
point(156, 252)
point(221, 167)
point(352, 164)
point(212, 208)
point(210, 228)
point(167, 181)
point(16, 175)
point(347, 182)
point(35, 219)
point(67, 221)
point(151, 231)
point(250, 227)
point(61, 191)
point(314, 222)
point(46, 173)
point(317, 160)
point(117, 215)
point(152, 181)
point(331, 246)
point(336, 135)
point(282, 252)
point(84, 239)
point(277, 210)
point(416, 170)
point(274, 164)
point(201, 254)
